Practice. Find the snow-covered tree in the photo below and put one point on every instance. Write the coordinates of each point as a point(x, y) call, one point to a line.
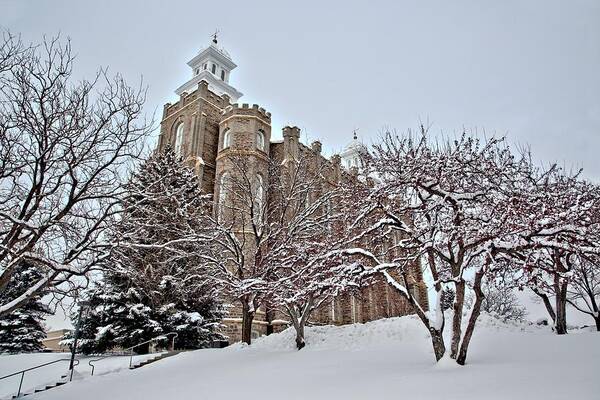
point(22, 330)
point(64, 147)
point(500, 299)
point(239, 254)
point(443, 204)
point(305, 225)
point(584, 291)
point(156, 278)
point(554, 223)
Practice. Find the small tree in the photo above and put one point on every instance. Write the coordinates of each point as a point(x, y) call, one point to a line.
point(305, 226)
point(447, 299)
point(22, 330)
point(500, 299)
point(554, 222)
point(584, 291)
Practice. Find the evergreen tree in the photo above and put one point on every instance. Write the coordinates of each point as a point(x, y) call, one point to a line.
point(22, 330)
point(447, 300)
point(156, 282)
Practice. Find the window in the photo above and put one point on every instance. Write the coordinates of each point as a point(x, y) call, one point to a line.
point(223, 189)
point(258, 199)
point(333, 310)
point(328, 213)
point(214, 69)
point(260, 139)
point(197, 71)
point(205, 65)
point(179, 140)
point(226, 138)
point(222, 74)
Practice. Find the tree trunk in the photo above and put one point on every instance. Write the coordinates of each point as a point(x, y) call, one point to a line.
point(597, 319)
point(299, 315)
point(459, 300)
point(247, 318)
point(300, 335)
point(561, 310)
point(437, 340)
point(547, 304)
point(270, 315)
point(479, 296)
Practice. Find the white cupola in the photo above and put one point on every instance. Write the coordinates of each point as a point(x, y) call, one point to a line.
point(213, 64)
point(352, 152)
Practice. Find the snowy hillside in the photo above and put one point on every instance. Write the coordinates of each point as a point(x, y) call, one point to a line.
point(386, 359)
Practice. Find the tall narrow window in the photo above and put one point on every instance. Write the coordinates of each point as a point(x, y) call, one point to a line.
point(260, 140)
point(222, 74)
point(223, 196)
point(259, 193)
point(214, 69)
point(333, 310)
point(226, 138)
point(179, 140)
point(328, 213)
point(204, 66)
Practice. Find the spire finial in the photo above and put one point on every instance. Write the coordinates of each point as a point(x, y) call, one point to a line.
point(355, 134)
point(214, 36)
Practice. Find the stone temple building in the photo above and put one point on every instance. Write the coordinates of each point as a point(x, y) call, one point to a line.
point(207, 124)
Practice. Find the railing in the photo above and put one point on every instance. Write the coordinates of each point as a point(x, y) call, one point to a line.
point(22, 372)
point(91, 363)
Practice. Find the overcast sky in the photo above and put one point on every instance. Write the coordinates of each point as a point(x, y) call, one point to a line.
point(526, 69)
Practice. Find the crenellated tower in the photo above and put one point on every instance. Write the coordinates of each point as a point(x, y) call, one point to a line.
point(244, 138)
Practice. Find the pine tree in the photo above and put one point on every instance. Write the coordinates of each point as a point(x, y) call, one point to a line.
point(22, 330)
point(156, 282)
point(447, 300)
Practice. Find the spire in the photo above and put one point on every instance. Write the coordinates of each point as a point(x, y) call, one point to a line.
point(352, 152)
point(213, 64)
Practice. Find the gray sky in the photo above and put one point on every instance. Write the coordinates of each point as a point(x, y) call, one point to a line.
point(528, 69)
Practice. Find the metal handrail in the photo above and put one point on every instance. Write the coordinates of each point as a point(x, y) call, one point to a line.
point(22, 372)
point(130, 349)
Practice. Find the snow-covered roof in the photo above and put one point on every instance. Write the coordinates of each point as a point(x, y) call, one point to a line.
point(353, 148)
point(220, 49)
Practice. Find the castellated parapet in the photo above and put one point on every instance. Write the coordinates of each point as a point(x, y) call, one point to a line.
point(245, 109)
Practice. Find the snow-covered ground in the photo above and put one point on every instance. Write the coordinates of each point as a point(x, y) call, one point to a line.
point(52, 373)
point(386, 359)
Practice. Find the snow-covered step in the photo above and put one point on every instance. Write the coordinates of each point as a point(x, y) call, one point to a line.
point(162, 356)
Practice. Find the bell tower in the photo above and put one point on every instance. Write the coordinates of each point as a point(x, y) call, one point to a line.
point(212, 64)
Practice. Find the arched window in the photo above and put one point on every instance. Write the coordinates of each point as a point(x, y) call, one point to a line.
point(223, 195)
point(260, 140)
point(226, 138)
point(259, 194)
point(178, 146)
point(214, 69)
